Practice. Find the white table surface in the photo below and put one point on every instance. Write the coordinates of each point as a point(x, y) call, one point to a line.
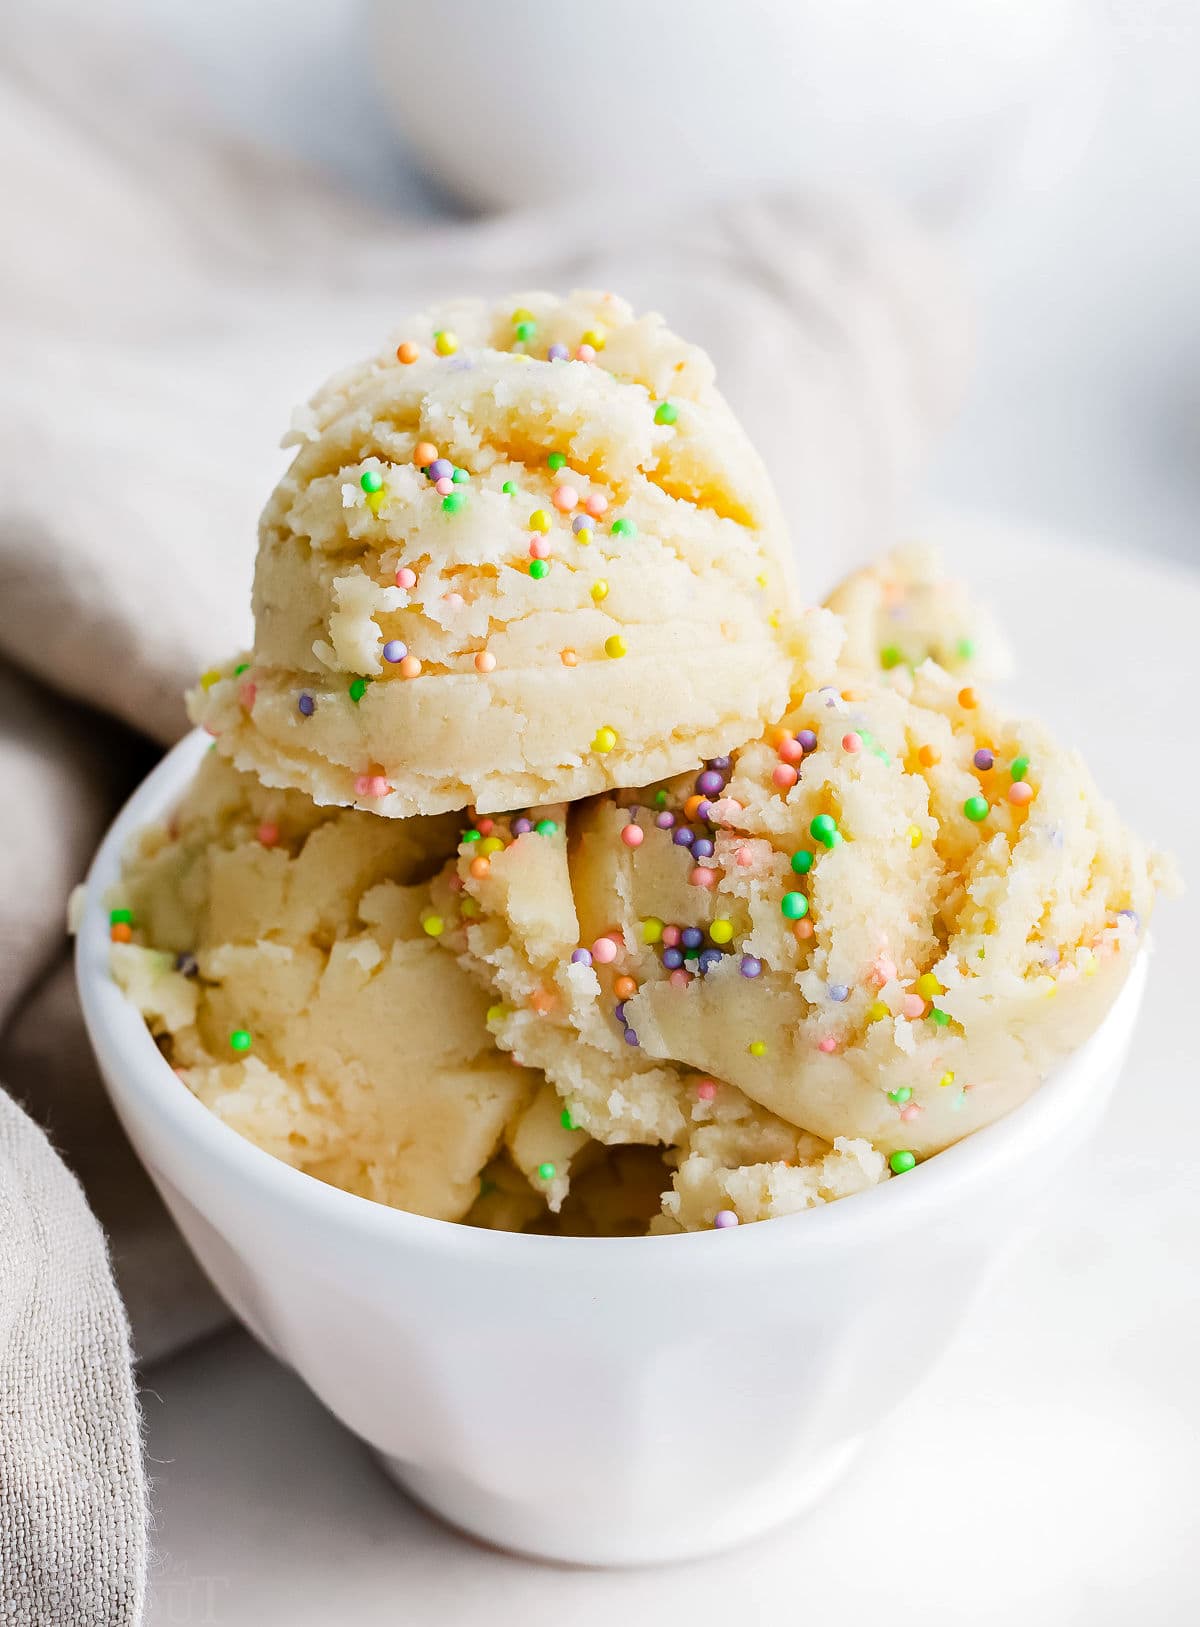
point(1043, 1474)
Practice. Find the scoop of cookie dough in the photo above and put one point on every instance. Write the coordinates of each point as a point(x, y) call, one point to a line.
point(904, 609)
point(285, 958)
point(878, 927)
point(527, 554)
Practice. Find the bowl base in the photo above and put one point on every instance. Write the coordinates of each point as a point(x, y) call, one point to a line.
point(541, 1532)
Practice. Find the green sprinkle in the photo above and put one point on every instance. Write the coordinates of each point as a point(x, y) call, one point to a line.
point(666, 413)
point(624, 528)
point(453, 502)
point(470, 836)
point(900, 1096)
point(370, 480)
point(824, 829)
point(240, 1040)
point(242, 666)
point(965, 649)
point(794, 906)
point(890, 657)
point(459, 476)
point(509, 488)
point(938, 1017)
point(120, 918)
point(1019, 767)
point(976, 808)
point(525, 331)
point(565, 1119)
point(358, 689)
point(539, 568)
point(902, 1162)
point(802, 860)
point(660, 799)
point(546, 827)
point(546, 1172)
point(555, 462)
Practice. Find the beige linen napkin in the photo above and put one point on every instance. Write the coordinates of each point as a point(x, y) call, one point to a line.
point(166, 296)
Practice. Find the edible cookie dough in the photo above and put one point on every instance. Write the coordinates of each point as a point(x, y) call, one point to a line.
point(880, 926)
point(284, 957)
point(525, 554)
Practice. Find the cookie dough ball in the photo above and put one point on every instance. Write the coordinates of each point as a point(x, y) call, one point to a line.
point(904, 610)
point(286, 959)
point(528, 554)
point(884, 923)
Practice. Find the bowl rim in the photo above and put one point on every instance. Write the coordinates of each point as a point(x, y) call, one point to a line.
point(142, 1085)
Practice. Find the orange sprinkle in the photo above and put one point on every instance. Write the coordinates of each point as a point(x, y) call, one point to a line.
point(485, 661)
point(928, 756)
point(568, 658)
point(424, 453)
point(968, 698)
point(624, 988)
point(692, 806)
point(122, 932)
point(541, 1001)
point(804, 929)
point(409, 667)
point(480, 867)
point(407, 352)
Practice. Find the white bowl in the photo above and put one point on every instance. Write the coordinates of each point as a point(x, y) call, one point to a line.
point(603, 1401)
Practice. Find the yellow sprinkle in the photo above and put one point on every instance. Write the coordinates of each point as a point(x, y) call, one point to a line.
point(600, 590)
point(468, 907)
point(376, 499)
point(521, 314)
point(761, 580)
point(947, 1078)
point(914, 836)
point(596, 337)
point(652, 929)
point(615, 647)
point(496, 1014)
point(539, 520)
point(434, 925)
point(605, 740)
point(584, 535)
point(1052, 990)
point(758, 1047)
point(928, 986)
point(445, 342)
point(877, 1011)
point(208, 679)
point(490, 844)
point(721, 931)
point(772, 620)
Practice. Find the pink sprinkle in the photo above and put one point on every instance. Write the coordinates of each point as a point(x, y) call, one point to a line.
point(370, 785)
point(444, 486)
point(539, 548)
point(724, 811)
point(702, 876)
point(406, 578)
point(671, 936)
point(679, 979)
point(268, 835)
point(852, 742)
point(784, 776)
point(885, 969)
point(457, 884)
point(790, 751)
point(596, 504)
point(744, 857)
point(585, 353)
point(1020, 793)
point(246, 694)
point(910, 1112)
point(485, 827)
point(453, 601)
point(827, 1044)
point(912, 1006)
point(604, 951)
point(564, 498)
point(706, 1090)
point(633, 835)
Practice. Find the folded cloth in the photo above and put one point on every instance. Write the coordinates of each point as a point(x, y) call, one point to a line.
point(166, 296)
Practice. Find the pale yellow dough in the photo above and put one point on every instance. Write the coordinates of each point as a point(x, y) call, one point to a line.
point(699, 597)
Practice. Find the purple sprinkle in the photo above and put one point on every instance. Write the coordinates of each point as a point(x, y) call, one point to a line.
point(664, 821)
point(691, 937)
point(619, 1014)
point(187, 965)
point(557, 353)
point(306, 703)
point(838, 992)
point(581, 522)
point(710, 783)
point(630, 1037)
point(807, 739)
point(705, 811)
point(394, 651)
point(724, 1218)
point(1050, 956)
point(1130, 915)
point(581, 957)
point(702, 848)
point(521, 826)
point(441, 469)
point(710, 958)
point(751, 966)
point(672, 959)
point(984, 758)
point(683, 837)
point(721, 764)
